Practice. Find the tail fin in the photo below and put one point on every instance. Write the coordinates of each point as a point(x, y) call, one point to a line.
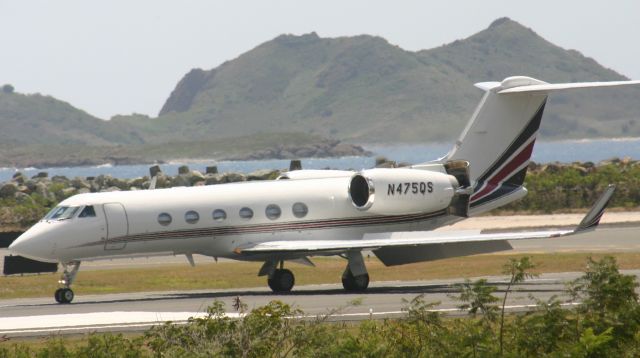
point(499, 138)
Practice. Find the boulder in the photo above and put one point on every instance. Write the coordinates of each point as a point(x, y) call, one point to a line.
point(212, 179)
point(181, 180)
point(42, 190)
point(264, 174)
point(19, 178)
point(67, 192)
point(138, 182)
point(212, 170)
point(381, 160)
point(387, 164)
point(23, 198)
point(163, 181)
point(110, 189)
point(78, 183)
point(8, 190)
point(232, 177)
point(60, 179)
point(183, 169)
point(195, 177)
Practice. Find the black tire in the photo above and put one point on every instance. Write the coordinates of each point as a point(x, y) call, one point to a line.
point(355, 283)
point(281, 281)
point(58, 295)
point(66, 295)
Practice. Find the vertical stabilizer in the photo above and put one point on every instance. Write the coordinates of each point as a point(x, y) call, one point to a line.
point(498, 142)
point(499, 138)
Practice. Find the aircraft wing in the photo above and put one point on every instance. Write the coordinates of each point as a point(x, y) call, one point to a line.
point(420, 238)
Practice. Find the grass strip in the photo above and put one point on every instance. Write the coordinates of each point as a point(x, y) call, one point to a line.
point(226, 274)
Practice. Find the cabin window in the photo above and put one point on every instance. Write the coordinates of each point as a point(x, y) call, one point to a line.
point(164, 219)
point(246, 213)
point(273, 211)
point(300, 210)
point(219, 215)
point(191, 217)
point(87, 212)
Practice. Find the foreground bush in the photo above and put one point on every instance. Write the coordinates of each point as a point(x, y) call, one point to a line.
point(605, 324)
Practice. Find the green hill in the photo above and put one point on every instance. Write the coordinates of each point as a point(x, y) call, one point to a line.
point(357, 89)
point(364, 89)
point(28, 119)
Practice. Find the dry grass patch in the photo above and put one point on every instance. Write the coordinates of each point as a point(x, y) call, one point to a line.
point(328, 270)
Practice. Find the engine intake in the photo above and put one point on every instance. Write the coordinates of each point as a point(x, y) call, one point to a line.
point(361, 191)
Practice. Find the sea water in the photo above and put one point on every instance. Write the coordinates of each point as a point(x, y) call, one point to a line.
point(593, 150)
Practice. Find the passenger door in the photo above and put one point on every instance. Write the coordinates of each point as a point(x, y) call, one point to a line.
point(117, 226)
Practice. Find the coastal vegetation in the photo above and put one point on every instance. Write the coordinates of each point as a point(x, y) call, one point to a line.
point(605, 323)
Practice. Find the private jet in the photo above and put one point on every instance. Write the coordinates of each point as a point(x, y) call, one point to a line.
point(391, 212)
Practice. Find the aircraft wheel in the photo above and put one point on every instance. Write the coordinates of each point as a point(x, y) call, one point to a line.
point(355, 283)
point(58, 295)
point(64, 295)
point(67, 295)
point(281, 281)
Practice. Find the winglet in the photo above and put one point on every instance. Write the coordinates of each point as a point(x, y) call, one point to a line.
point(592, 219)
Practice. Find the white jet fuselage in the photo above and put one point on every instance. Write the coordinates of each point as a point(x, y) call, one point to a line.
point(209, 220)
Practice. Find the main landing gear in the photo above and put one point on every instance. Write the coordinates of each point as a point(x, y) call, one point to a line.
point(354, 283)
point(65, 294)
point(355, 276)
point(354, 279)
point(280, 279)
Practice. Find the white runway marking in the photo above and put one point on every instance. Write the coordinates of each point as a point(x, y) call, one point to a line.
point(68, 323)
point(74, 321)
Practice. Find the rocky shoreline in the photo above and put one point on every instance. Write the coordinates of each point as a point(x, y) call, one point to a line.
point(24, 200)
point(325, 148)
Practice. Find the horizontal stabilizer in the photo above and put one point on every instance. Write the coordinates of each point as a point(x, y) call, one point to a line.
point(550, 87)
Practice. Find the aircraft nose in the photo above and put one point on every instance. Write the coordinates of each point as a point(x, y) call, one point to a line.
point(33, 244)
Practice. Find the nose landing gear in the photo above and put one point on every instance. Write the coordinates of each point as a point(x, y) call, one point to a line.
point(65, 294)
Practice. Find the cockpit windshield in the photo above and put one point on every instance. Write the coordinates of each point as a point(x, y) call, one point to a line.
point(62, 213)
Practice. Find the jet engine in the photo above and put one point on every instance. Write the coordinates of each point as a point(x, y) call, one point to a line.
point(402, 190)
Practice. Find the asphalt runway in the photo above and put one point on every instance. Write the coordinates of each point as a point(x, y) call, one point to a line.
point(122, 312)
point(118, 312)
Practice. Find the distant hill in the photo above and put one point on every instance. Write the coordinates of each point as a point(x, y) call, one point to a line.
point(34, 118)
point(364, 89)
point(357, 89)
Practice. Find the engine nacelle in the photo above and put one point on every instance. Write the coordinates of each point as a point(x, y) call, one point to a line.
point(401, 191)
point(315, 174)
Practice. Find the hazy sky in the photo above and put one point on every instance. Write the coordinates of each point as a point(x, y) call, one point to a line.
point(118, 57)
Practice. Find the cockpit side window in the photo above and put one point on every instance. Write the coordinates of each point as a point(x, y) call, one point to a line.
point(62, 213)
point(87, 212)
